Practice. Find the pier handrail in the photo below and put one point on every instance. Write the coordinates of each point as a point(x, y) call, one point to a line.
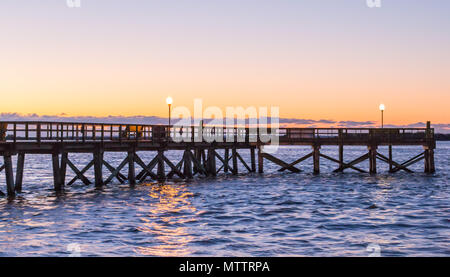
point(41, 131)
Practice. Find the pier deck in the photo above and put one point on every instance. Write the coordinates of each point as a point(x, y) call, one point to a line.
point(199, 145)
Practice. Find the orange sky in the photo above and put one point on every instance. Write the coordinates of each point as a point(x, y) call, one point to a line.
point(102, 61)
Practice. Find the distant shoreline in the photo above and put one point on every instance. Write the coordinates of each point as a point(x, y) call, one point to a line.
point(442, 137)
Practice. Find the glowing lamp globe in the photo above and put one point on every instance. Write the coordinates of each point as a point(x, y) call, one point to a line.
point(382, 107)
point(169, 100)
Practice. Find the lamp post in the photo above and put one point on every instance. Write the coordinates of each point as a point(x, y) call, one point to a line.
point(382, 107)
point(169, 103)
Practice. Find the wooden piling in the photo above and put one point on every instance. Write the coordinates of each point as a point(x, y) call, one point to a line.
point(252, 159)
point(341, 157)
point(234, 158)
point(260, 160)
point(10, 186)
point(391, 165)
point(161, 173)
point(316, 159)
point(19, 171)
point(372, 159)
point(98, 167)
point(187, 169)
point(131, 168)
point(63, 167)
point(211, 162)
point(226, 158)
point(56, 172)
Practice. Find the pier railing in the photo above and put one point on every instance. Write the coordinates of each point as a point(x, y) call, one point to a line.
point(32, 131)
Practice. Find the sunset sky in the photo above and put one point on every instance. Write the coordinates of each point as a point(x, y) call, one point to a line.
point(324, 59)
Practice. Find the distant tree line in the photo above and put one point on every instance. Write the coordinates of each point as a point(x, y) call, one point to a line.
point(442, 136)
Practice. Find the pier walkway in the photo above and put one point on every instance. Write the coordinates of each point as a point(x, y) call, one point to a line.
point(199, 146)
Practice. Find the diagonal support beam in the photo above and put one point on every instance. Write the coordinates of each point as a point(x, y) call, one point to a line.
point(338, 162)
point(243, 162)
point(280, 162)
point(297, 161)
point(116, 171)
point(173, 167)
point(143, 174)
point(386, 160)
point(225, 163)
point(178, 166)
point(197, 164)
point(410, 161)
point(146, 168)
point(79, 174)
point(120, 177)
point(352, 163)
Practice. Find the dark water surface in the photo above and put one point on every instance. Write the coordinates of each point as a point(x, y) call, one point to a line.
point(275, 214)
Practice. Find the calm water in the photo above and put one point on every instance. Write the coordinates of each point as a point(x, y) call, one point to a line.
point(276, 214)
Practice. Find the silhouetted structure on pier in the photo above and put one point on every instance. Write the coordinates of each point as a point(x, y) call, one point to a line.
point(199, 156)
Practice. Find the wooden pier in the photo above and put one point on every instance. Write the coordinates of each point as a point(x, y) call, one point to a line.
point(200, 155)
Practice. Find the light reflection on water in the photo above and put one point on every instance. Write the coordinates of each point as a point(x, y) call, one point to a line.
point(276, 214)
point(164, 220)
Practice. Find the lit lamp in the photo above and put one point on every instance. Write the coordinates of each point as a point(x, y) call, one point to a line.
point(382, 110)
point(169, 103)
